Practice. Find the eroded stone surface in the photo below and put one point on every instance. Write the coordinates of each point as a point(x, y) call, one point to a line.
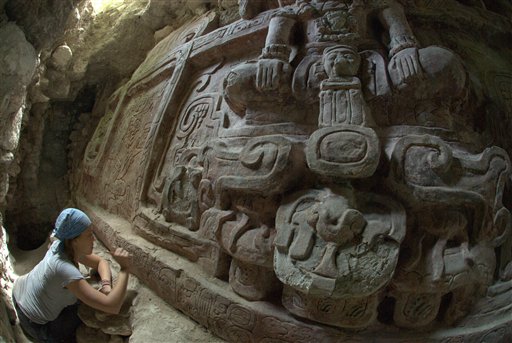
point(155, 320)
point(342, 161)
point(18, 65)
point(212, 303)
point(7, 316)
point(316, 152)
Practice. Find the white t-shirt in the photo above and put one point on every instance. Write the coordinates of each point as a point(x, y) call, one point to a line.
point(41, 294)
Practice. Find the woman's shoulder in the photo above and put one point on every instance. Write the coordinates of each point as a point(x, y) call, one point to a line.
point(64, 267)
point(58, 258)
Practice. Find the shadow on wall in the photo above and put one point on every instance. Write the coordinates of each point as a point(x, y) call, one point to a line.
point(23, 260)
point(30, 236)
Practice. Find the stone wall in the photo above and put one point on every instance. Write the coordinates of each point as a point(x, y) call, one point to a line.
point(81, 54)
point(61, 61)
point(316, 162)
point(6, 311)
point(342, 162)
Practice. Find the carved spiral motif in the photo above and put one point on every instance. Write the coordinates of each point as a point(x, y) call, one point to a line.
point(195, 113)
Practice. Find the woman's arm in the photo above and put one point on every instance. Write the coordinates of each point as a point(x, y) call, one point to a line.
point(103, 268)
point(112, 302)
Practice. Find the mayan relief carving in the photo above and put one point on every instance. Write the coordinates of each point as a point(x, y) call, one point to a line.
point(317, 153)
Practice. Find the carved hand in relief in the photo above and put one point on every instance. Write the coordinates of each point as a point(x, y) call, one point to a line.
point(273, 74)
point(405, 66)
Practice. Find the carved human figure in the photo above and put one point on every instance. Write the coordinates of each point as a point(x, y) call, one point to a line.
point(341, 97)
point(345, 145)
point(321, 67)
point(341, 63)
point(415, 73)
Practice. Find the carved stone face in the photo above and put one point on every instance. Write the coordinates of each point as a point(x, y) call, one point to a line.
point(341, 61)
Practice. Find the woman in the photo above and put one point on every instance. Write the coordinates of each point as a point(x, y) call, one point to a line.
point(45, 299)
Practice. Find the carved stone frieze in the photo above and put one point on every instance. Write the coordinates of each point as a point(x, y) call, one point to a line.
point(337, 247)
point(314, 164)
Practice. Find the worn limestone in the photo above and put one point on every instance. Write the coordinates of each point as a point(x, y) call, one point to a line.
point(325, 158)
point(316, 171)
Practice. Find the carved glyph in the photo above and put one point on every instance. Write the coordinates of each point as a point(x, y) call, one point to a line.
point(338, 250)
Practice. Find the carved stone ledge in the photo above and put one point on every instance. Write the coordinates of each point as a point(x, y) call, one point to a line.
point(209, 301)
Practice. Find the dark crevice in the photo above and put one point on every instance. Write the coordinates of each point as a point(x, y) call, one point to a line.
point(385, 310)
point(31, 236)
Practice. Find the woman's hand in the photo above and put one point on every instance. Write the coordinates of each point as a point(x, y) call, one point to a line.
point(110, 298)
point(124, 258)
point(106, 286)
point(106, 289)
point(103, 269)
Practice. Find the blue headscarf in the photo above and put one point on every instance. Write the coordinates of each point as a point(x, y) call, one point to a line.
point(70, 223)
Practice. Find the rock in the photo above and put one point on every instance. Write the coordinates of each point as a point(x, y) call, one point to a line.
point(108, 324)
point(18, 65)
point(86, 334)
point(156, 321)
point(116, 339)
point(61, 57)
